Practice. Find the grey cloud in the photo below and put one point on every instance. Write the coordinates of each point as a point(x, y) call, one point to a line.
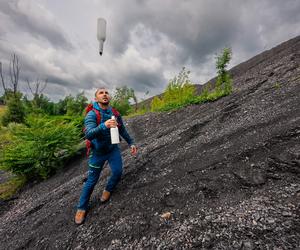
point(201, 28)
point(30, 69)
point(147, 40)
point(35, 25)
point(142, 81)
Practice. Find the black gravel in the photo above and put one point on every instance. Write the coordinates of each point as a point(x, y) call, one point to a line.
point(227, 171)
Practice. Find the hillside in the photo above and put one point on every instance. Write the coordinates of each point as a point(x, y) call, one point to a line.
point(227, 171)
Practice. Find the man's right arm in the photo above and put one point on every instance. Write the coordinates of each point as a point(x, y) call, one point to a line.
point(92, 128)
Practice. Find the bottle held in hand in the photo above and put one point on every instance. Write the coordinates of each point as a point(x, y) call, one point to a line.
point(114, 134)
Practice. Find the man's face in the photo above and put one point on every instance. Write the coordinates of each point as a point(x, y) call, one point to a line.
point(102, 96)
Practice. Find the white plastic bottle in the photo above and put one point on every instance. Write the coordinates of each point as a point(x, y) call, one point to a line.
point(114, 134)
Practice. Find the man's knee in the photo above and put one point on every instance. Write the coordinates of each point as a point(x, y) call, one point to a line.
point(93, 176)
point(117, 172)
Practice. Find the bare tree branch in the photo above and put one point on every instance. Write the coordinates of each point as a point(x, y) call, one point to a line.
point(28, 83)
point(36, 90)
point(2, 79)
point(44, 87)
point(14, 70)
point(37, 86)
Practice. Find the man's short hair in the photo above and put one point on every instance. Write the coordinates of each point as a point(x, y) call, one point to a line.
point(99, 89)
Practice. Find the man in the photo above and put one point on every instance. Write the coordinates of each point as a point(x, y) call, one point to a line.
point(102, 151)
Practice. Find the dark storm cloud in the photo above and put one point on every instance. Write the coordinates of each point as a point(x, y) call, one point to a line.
point(202, 28)
point(58, 80)
point(147, 41)
point(142, 81)
point(197, 28)
point(34, 25)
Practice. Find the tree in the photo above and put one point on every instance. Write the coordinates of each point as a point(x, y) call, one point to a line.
point(224, 80)
point(2, 80)
point(121, 99)
point(37, 90)
point(14, 71)
point(15, 111)
point(75, 106)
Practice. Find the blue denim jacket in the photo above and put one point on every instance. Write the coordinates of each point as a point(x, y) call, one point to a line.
point(99, 135)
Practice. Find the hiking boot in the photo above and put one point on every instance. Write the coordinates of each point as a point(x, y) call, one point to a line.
point(105, 196)
point(80, 216)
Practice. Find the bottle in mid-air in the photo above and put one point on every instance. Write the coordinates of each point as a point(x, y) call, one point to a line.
point(101, 33)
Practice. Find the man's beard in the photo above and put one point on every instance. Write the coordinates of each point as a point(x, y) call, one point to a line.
point(104, 103)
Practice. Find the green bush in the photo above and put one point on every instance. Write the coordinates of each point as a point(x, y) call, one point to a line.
point(179, 92)
point(38, 150)
point(140, 111)
point(15, 111)
point(2, 110)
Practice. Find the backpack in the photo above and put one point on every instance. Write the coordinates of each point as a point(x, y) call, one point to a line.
point(89, 108)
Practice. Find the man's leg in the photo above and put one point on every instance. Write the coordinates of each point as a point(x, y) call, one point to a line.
point(95, 167)
point(116, 166)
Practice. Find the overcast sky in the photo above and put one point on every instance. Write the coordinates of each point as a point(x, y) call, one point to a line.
point(148, 41)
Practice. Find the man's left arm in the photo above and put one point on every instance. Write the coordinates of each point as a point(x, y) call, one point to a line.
point(123, 132)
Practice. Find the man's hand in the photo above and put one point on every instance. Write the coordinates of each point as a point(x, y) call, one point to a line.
point(111, 123)
point(133, 150)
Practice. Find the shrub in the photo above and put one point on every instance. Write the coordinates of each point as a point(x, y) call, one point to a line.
point(140, 111)
point(179, 92)
point(156, 104)
point(15, 110)
point(37, 150)
point(2, 111)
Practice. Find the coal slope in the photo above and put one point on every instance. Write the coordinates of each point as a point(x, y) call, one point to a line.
point(227, 172)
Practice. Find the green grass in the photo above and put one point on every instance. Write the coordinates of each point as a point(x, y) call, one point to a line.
point(2, 110)
point(9, 188)
point(137, 113)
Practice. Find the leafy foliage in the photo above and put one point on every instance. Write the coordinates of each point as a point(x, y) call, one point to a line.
point(140, 111)
point(37, 150)
point(179, 92)
point(15, 110)
point(224, 81)
point(2, 110)
point(121, 99)
point(75, 106)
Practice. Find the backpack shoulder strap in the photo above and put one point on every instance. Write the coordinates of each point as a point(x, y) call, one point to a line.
point(88, 108)
point(117, 115)
point(98, 115)
point(115, 112)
